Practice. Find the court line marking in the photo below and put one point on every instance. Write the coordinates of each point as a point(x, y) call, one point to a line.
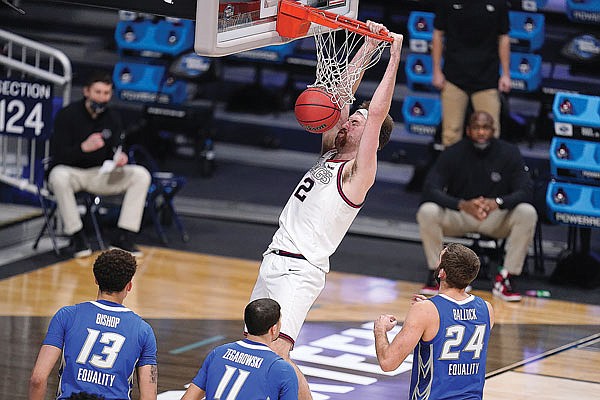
point(545, 354)
point(556, 377)
point(195, 345)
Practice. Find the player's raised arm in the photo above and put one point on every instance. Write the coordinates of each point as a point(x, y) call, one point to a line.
point(364, 166)
point(360, 60)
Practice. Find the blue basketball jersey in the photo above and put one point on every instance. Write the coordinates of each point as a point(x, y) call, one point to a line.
point(102, 343)
point(246, 370)
point(452, 365)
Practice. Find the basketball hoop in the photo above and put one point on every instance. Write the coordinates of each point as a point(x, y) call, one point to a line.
point(336, 71)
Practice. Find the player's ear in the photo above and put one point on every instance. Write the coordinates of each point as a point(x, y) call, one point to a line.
point(129, 286)
point(275, 329)
point(442, 273)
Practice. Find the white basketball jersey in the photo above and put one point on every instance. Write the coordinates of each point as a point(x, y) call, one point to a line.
point(317, 214)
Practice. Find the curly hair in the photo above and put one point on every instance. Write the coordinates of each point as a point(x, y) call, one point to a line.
point(114, 269)
point(386, 127)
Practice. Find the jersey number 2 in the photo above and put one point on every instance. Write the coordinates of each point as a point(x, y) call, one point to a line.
point(306, 186)
point(237, 385)
point(110, 352)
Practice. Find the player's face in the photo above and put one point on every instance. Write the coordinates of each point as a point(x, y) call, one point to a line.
point(351, 132)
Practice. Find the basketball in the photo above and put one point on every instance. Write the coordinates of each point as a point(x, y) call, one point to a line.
point(315, 111)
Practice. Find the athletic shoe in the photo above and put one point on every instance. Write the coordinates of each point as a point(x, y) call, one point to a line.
point(503, 289)
point(432, 287)
point(125, 243)
point(80, 246)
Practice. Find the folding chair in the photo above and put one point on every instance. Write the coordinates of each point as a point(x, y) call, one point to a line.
point(49, 207)
point(486, 246)
point(164, 187)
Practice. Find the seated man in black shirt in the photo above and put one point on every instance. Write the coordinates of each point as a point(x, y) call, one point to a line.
point(480, 184)
point(86, 137)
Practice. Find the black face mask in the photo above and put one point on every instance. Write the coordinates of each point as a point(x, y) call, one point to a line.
point(96, 107)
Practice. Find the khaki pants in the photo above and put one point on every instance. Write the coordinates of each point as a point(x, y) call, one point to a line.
point(133, 180)
point(516, 225)
point(454, 107)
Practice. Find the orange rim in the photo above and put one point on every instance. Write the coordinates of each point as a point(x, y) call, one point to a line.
point(293, 21)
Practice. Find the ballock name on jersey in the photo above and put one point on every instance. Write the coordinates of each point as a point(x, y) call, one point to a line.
point(467, 314)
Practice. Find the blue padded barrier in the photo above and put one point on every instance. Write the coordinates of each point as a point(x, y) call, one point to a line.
point(422, 115)
point(573, 204)
point(147, 84)
point(155, 38)
point(526, 31)
point(420, 31)
point(419, 72)
point(575, 160)
point(576, 116)
point(525, 72)
point(585, 11)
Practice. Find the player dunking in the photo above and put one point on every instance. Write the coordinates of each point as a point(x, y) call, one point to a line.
point(323, 205)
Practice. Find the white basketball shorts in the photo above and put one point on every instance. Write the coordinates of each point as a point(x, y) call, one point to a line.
point(294, 283)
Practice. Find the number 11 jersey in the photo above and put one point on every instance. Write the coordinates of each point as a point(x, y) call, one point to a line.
point(246, 370)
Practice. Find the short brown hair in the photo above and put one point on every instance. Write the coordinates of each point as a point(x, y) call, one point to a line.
point(461, 265)
point(113, 270)
point(386, 127)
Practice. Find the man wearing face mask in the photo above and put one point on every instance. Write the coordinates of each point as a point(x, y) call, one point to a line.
point(87, 133)
point(479, 184)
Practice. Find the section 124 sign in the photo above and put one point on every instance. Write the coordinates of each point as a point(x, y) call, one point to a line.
point(25, 108)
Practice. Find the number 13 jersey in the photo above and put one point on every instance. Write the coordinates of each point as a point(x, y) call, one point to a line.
point(317, 215)
point(102, 343)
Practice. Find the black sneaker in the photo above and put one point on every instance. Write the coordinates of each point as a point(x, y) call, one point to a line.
point(80, 245)
point(124, 242)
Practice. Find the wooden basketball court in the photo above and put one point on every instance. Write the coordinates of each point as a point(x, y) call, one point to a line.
point(539, 348)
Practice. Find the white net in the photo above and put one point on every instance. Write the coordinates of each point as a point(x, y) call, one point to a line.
point(341, 59)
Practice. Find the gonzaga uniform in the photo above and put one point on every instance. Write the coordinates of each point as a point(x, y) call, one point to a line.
point(311, 227)
point(452, 365)
point(246, 370)
point(102, 343)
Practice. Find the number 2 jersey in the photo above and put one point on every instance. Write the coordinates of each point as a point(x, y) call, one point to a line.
point(246, 370)
point(317, 216)
point(102, 343)
point(452, 365)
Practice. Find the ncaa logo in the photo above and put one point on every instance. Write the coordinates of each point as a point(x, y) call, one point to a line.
point(563, 129)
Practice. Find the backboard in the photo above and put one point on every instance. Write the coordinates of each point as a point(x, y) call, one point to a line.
point(225, 27)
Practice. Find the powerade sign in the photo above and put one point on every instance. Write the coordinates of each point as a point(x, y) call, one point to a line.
point(25, 108)
point(577, 219)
